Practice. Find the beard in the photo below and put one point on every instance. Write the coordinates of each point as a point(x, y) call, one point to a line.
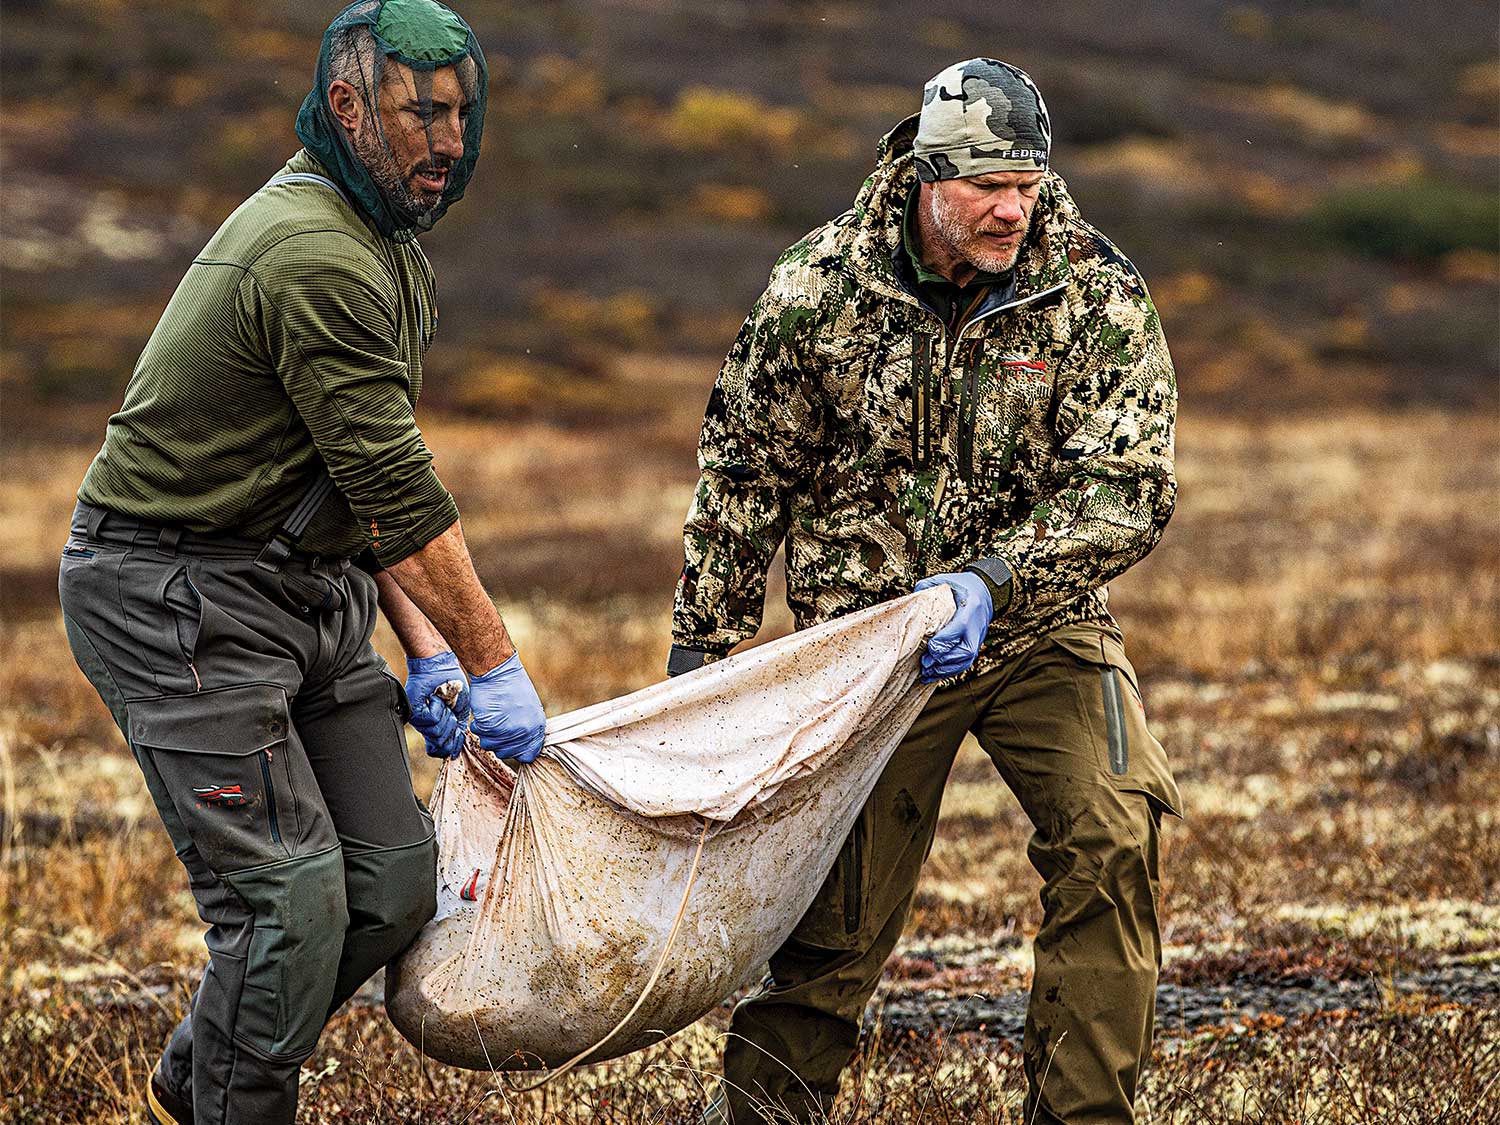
point(969, 243)
point(395, 184)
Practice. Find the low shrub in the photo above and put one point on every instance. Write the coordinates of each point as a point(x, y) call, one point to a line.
point(1416, 220)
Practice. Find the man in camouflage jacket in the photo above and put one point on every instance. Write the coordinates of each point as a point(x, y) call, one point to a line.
point(958, 377)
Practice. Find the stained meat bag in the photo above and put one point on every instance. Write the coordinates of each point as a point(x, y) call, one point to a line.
point(559, 884)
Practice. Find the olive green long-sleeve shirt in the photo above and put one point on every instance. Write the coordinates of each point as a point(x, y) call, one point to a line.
point(294, 341)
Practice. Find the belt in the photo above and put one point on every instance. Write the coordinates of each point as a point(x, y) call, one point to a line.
point(104, 525)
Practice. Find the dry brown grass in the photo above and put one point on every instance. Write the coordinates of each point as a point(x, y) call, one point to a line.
point(1416, 1065)
point(1318, 645)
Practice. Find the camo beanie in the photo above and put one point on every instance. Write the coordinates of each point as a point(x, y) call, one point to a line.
point(981, 116)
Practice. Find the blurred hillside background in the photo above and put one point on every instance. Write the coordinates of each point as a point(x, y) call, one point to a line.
point(1313, 194)
point(1310, 191)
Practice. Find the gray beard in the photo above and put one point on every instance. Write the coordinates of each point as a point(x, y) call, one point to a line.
point(387, 176)
point(963, 242)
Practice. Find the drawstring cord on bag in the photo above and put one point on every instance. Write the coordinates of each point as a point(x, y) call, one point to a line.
point(661, 963)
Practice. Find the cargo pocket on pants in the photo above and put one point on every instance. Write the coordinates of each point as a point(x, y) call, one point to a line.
point(1129, 755)
point(219, 755)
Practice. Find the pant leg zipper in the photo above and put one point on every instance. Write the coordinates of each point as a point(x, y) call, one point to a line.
point(853, 880)
point(265, 775)
point(1114, 722)
point(190, 656)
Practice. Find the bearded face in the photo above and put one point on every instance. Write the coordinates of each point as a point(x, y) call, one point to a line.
point(412, 147)
point(984, 220)
point(408, 188)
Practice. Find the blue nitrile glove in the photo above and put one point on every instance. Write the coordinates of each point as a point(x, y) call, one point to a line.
point(441, 726)
point(442, 733)
point(508, 716)
point(954, 647)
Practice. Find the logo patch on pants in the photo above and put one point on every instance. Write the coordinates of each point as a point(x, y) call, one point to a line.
point(227, 795)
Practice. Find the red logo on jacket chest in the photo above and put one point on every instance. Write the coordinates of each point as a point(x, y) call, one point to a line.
point(1022, 368)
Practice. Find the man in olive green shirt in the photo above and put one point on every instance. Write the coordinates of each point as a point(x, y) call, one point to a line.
point(266, 440)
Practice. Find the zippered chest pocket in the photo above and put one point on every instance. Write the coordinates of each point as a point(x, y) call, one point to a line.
point(1006, 394)
point(427, 318)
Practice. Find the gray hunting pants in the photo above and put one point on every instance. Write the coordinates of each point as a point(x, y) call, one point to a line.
point(271, 736)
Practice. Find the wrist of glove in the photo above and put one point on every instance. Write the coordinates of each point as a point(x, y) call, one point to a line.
point(440, 722)
point(954, 647)
point(507, 718)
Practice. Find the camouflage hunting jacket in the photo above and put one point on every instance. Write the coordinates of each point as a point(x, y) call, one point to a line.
point(850, 423)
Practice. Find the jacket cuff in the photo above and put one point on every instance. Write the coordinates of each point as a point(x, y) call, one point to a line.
point(996, 575)
point(684, 659)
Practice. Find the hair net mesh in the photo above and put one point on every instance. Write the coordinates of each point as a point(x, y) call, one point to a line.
point(359, 47)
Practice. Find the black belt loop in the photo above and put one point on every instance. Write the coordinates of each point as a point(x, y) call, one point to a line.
point(284, 539)
point(166, 542)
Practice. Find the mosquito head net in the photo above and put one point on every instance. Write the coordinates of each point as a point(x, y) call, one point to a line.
point(397, 109)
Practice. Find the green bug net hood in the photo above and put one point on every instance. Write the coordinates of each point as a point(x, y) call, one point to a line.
point(359, 47)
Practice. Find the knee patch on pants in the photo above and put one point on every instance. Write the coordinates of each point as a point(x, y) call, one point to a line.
point(1101, 887)
point(294, 951)
point(392, 894)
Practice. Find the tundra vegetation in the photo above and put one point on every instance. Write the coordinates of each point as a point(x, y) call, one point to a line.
point(1317, 634)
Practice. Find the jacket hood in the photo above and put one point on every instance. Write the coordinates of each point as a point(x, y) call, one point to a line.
point(873, 236)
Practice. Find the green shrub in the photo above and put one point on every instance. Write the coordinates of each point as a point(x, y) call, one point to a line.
point(1419, 219)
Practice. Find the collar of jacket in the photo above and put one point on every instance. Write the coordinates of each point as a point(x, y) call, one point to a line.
point(872, 235)
point(304, 162)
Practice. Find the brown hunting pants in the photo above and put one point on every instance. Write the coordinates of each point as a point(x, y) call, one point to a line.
point(1064, 725)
